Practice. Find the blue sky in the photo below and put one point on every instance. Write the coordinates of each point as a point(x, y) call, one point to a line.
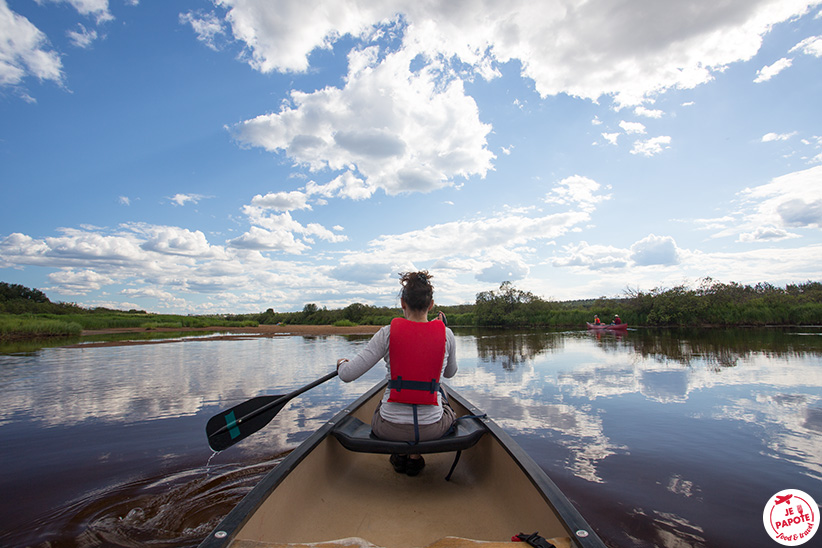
point(238, 155)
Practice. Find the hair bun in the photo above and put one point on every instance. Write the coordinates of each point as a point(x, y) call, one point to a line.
point(416, 289)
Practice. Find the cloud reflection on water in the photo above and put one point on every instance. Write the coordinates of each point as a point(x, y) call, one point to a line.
point(547, 385)
point(654, 417)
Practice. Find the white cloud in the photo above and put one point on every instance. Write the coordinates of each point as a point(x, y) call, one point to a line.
point(282, 201)
point(261, 239)
point(775, 264)
point(208, 27)
point(81, 282)
point(792, 200)
point(171, 240)
point(183, 199)
point(124, 200)
point(632, 127)
point(577, 190)
point(810, 46)
point(350, 186)
point(715, 223)
point(79, 246)
point(147, 292)
point(611, 137)
point(594, 257)
point(82, 37)
point(648, 113)
point(137, 246)
point(474, 238)
point(276, 43)
point(90, 8)
point(766, 233)
point(652, 146)
point(365, 273)
point(585, 49)
point(655, 250)
point(280, 232)
point(167, 298)
point(401, 131)
point(172, 260)
point(24, 51)
point(766, 73)
point(501, 271)
point(816, 143)
point(768, 137)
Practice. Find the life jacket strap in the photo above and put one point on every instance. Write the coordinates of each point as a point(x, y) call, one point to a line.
point(399, 384)
point(416, 425)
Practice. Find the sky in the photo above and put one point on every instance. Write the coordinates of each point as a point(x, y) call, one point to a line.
point(230, 156)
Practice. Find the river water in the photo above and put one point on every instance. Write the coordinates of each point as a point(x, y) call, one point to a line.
point(660, 438)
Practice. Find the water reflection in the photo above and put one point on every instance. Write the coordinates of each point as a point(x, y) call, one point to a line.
point(681, 420)
point(653, 434)
point(509, 348)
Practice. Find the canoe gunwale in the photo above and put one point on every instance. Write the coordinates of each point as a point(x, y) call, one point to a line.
point(231, 524)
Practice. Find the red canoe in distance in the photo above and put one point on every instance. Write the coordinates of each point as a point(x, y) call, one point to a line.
point(608, 326)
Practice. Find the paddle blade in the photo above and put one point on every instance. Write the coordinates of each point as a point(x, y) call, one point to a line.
point(229, 427)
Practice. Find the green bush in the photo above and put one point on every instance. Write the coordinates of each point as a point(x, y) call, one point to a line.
point(344, 323)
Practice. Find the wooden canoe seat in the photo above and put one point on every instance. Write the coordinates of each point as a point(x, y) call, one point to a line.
point(355, 435)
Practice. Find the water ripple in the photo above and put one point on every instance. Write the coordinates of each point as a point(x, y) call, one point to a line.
point(175, 510)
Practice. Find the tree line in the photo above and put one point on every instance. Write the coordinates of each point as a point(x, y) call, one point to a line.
point(710, 303)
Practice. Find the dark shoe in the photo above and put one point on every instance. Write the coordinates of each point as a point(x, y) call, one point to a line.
point(414, 466)
point(400, 463)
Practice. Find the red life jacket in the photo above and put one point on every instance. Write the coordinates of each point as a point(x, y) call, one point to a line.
point(415, 353)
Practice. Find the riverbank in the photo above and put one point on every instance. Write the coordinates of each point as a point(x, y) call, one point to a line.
point(256, 330)
point(215, 333)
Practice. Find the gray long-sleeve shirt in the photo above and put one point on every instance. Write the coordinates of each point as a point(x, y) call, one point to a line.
point(376, 350)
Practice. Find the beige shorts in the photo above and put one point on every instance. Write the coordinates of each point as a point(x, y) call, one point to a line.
point(405, 432)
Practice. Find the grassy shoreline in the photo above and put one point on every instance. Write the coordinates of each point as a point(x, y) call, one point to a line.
point(33, 326)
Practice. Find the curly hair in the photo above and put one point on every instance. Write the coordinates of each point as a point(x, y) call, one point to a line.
point(417, 291)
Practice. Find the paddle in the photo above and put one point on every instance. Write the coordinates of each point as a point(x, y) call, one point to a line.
point(231, 426)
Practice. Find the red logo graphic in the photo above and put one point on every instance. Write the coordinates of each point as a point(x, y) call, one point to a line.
point(791, 517)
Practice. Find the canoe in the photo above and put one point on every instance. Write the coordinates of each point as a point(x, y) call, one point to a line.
point(608, 326)
point(324, 492)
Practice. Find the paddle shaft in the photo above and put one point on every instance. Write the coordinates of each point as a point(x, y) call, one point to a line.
point(275, 403)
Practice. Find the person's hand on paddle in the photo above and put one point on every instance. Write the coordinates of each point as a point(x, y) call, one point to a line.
point(340, 362)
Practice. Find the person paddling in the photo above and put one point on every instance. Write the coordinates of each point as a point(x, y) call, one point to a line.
point(417, 354)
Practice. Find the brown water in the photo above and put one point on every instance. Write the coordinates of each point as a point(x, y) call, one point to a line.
point(660, 438)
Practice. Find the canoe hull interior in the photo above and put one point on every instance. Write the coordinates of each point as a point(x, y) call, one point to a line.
point(326, 492)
